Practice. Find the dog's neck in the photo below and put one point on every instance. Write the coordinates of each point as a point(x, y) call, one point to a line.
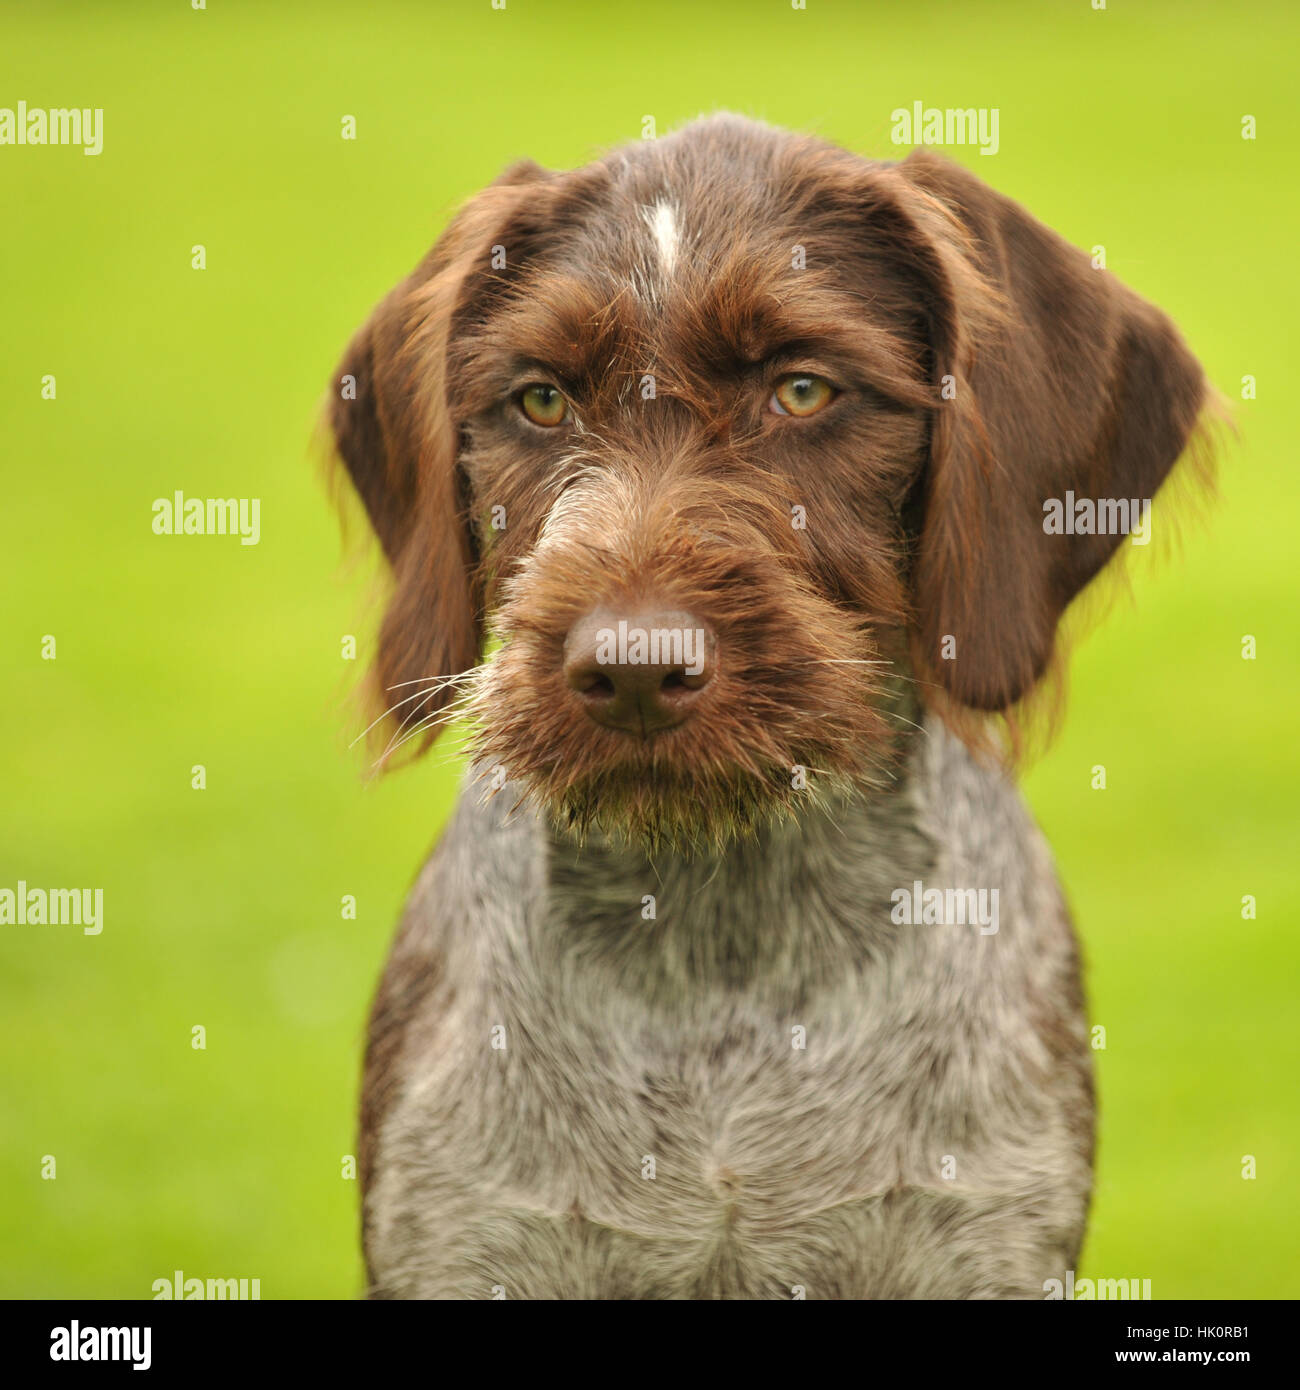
point(783, 910)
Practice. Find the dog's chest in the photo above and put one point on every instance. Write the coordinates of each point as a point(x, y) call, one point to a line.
point(765, 1089)
point(832, 1147)
point(753, 1154)
point(734, 1155)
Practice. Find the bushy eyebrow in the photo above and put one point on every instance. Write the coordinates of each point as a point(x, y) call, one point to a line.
point(577, 329)
point(573, 324)
point(829, 332)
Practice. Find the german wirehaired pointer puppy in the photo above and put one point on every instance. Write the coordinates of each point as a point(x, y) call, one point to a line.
point(732, 485)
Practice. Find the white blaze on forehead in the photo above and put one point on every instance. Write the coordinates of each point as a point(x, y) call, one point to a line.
point(662, 221)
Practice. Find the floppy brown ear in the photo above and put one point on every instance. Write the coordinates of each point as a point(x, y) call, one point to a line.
point(395, 436)
point(1061, 381)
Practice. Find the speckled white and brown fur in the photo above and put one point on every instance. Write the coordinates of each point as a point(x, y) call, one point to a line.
point(769, 1087)
point(928, 1050)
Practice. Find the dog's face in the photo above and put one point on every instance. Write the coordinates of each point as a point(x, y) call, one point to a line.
point(719, 435)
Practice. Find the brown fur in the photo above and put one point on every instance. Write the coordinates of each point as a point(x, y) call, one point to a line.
point(923, 505)
point(924, 511)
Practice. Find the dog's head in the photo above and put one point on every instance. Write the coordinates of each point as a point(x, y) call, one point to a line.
point(720, 433)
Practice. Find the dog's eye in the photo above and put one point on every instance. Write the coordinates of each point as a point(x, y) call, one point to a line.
point(801, 394)
point(544, 405)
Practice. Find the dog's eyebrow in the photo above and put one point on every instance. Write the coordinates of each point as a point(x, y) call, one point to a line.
point(827, 326)
point(564, 321)
point(724, 323)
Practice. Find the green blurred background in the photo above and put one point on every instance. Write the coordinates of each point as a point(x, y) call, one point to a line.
point(222, 907)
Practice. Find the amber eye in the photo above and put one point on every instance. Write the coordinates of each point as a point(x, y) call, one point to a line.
point(544, 405)
point(801, 394)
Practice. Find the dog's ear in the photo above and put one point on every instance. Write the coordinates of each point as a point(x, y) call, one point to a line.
point(1053, 378)
point(396, 437)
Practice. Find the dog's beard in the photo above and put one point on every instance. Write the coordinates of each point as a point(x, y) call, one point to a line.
point(656, 800)
point(779, 743)
point(663, 809)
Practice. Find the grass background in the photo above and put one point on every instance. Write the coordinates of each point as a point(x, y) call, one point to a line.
point(222, 907)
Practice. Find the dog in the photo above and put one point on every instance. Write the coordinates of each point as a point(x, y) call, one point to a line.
point(716, 482)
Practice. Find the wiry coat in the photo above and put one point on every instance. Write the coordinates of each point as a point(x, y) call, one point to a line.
point(652, 1026)
point(769, 1089)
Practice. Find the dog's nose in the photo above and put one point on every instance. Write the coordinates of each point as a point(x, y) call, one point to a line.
point(639, 671)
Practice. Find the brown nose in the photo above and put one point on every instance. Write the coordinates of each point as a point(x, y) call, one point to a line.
point(639, 671)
